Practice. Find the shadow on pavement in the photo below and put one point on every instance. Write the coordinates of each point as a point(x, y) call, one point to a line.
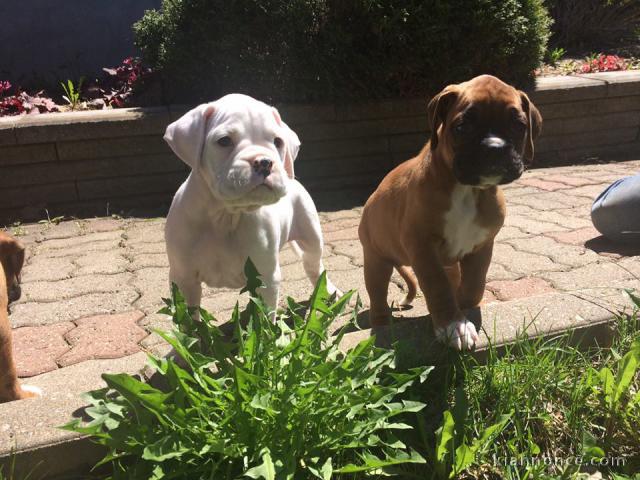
point(603, 245)
point(413, 338)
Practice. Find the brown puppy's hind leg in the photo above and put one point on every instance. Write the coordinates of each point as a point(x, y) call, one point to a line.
point(377, 274)
point(412, 285)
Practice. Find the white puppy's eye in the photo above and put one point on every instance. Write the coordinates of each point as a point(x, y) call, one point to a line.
point(225, 141)
point(278, 142)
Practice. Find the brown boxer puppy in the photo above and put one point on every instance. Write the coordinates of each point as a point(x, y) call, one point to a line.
point(440, 211)
point(11, 260)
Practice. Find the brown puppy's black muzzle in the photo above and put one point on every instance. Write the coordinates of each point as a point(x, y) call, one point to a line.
point(513, 171)
point(493, 157)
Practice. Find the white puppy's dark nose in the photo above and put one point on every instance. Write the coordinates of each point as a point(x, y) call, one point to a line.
point(262, 166)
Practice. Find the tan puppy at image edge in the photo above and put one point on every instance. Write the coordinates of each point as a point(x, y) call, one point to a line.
point(439, 212)
point(11, 261)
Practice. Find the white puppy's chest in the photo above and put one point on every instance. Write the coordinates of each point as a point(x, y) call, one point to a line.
point(462, 233)
point(221, 263)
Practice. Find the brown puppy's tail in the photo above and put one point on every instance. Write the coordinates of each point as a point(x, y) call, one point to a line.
point(412, 284)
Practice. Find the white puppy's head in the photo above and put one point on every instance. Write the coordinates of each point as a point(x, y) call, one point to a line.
point(240, 146)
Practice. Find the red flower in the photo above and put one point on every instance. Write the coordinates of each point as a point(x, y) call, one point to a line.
point(4, 87)
point(604, 63)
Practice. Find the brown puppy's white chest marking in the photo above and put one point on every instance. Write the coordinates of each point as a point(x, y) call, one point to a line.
point(461, 230)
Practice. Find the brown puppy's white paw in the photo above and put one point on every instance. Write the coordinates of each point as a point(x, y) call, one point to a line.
point(32, 391)
point(459, 334)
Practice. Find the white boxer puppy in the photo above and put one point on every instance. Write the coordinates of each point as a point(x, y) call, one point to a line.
point(240, 200)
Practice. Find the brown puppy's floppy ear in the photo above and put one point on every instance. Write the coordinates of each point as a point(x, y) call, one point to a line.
point(535, 126)
point(437, 111)
point(11, 257)
point(292, 144)
point(18, 261)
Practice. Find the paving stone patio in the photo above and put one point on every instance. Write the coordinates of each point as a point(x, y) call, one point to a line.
point(92, 287)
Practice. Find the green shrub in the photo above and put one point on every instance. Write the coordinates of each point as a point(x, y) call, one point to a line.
point(276, 401)
point(324, 50)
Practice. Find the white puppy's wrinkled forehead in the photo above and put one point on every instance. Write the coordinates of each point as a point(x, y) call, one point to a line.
point(243, 109)
point(237, 104)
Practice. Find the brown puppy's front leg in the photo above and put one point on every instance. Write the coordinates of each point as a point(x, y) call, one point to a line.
point(377, 274)
point(450, 325)
point(436, 285)
point(453, 273)
point(9, 386)
point(474, 268)
point(11, 261)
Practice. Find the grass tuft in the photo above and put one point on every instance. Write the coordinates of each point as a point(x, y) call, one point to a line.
point(570, 412)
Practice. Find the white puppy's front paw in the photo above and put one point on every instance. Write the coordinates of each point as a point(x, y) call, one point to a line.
point(331, 288)
point(459, 334)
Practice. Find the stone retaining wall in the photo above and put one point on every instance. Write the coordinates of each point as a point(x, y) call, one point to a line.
point(97, 163)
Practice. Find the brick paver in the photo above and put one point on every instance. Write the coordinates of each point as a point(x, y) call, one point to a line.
point(523, 287)
point(104, 336)
point(547, 185)
point(92, 287)
point(576, 237)
point(38, 348)
point(572, 181)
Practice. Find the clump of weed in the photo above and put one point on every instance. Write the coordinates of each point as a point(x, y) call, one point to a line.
point(278, 400)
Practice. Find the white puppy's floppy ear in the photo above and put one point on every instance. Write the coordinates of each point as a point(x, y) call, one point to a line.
point(186, 135)
point(291, 147)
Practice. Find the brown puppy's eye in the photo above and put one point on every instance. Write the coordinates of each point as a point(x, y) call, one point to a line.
point(463, 127)
point(466, 124)
point(278, 142)
point(225, 141)
point(518, 125)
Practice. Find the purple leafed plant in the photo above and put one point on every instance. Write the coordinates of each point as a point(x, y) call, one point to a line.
point(116, 89)
point(121, 82)
point(21, 102)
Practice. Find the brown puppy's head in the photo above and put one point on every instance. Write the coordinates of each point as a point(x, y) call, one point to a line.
point(485, 129)
point(12, 259)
